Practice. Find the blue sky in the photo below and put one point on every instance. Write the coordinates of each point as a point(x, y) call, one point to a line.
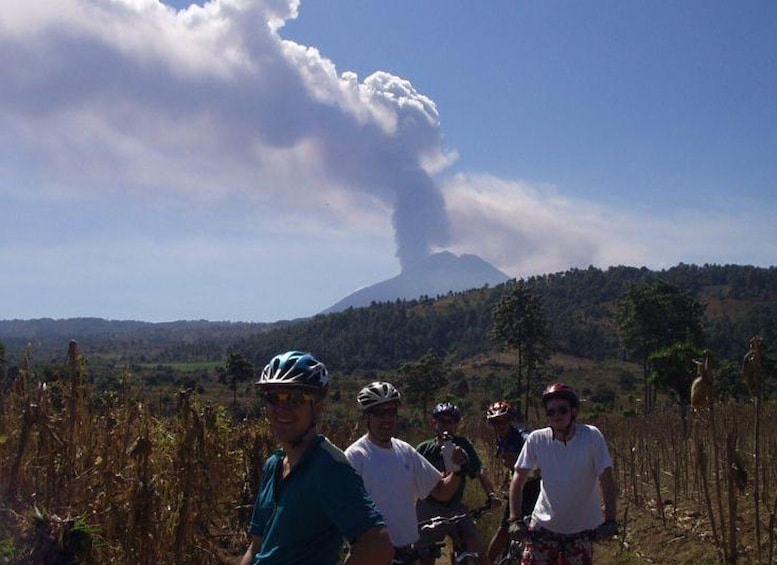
point(260, 159)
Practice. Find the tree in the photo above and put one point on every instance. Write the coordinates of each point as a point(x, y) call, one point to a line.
point(2, 366)
point(652, 316)
point(674, 369)
point(519, 323)
point(422, 379)
point(238, 369)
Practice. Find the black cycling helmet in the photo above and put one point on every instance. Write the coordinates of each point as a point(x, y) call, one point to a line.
point(296, 369)
point(447, 409)
point(560, 390)
point(499, 409)
point(377, 393)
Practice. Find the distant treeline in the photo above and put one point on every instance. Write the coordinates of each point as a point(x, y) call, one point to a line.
point(579, 305)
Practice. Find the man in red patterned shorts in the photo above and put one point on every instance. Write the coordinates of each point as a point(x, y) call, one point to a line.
point(577, 479)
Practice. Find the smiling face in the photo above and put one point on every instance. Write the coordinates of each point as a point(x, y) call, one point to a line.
point(382, 423)
point(291, 412)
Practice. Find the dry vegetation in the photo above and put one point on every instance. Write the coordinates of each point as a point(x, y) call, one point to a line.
point(88, 480)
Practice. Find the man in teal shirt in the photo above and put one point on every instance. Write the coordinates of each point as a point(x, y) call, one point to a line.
point(310, 497)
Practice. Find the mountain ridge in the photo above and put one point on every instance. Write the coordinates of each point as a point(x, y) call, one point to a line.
point(436, 275)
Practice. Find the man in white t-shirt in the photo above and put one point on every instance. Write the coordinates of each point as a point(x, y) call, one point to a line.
point(395, 475)
point(577, 480)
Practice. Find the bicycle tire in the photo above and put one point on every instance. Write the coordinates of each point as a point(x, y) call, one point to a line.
point(511, 554)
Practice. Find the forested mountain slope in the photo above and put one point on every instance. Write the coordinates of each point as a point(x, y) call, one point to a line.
point(579, 304)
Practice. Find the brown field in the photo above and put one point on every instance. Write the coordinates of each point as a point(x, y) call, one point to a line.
point(111, 480)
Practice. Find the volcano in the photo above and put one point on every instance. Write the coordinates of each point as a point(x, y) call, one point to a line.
point(436, 275)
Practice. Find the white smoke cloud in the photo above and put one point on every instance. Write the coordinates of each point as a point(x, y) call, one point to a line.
point(210, 103)
point(526, 229)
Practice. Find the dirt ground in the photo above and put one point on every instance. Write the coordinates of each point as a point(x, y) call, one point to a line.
point(649, 539)
point(681, 537)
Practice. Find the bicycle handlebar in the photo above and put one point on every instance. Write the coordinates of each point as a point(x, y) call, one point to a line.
point(437, 521)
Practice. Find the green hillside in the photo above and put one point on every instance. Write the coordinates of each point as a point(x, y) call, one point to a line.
point(579, 306)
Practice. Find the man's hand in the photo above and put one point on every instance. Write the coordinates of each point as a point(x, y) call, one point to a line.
point(518, 529)
point(460, 456)
point(493, 501)
point(607, 530)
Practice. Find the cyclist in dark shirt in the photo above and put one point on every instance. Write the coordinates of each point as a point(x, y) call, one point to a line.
point(445, 419)
point(509, 438)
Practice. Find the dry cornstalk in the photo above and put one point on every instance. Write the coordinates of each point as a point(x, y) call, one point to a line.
point(752, 375)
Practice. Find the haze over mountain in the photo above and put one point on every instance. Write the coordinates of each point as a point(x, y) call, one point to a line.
point(436, 274)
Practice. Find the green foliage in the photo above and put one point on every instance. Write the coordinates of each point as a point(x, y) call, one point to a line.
point(654, 316)
point(3, 369)
point(237, 370)
point(674, 369)
point(627, 381)
point(603, 394)
point(728, 381)
point(519, 324)
point(580, 308)
point(422, 380)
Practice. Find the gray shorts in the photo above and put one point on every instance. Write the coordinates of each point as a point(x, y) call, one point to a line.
point(426, 509)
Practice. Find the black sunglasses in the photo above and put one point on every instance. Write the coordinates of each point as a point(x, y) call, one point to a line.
point(387, 412)
point(290, 398)
point(561, 411)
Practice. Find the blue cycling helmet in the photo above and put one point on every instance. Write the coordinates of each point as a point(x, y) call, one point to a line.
point(296, 369)
point(448, 409)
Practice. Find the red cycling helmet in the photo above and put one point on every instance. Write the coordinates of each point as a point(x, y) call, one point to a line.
point(499, 409)
point(561, 390)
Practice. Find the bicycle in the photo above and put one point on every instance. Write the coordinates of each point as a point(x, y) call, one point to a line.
point(417, 553)
point(459, 556)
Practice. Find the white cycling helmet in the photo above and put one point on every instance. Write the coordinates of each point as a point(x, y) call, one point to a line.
point(377, 393)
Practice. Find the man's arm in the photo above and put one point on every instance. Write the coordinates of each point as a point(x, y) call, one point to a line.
point(253, 549)
point(373, 547)
point(516, 492)
point(488, 486)
point(446, 488)
point(609, 493)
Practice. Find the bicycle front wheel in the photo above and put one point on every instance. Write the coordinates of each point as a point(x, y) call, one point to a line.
point(467, 558)
point(511, 554)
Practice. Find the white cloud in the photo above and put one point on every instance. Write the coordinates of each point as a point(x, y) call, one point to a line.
point(208, 104)
point(527, 229)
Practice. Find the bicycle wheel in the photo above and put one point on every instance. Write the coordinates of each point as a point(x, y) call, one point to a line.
point(511, 555)
point(467, 558)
